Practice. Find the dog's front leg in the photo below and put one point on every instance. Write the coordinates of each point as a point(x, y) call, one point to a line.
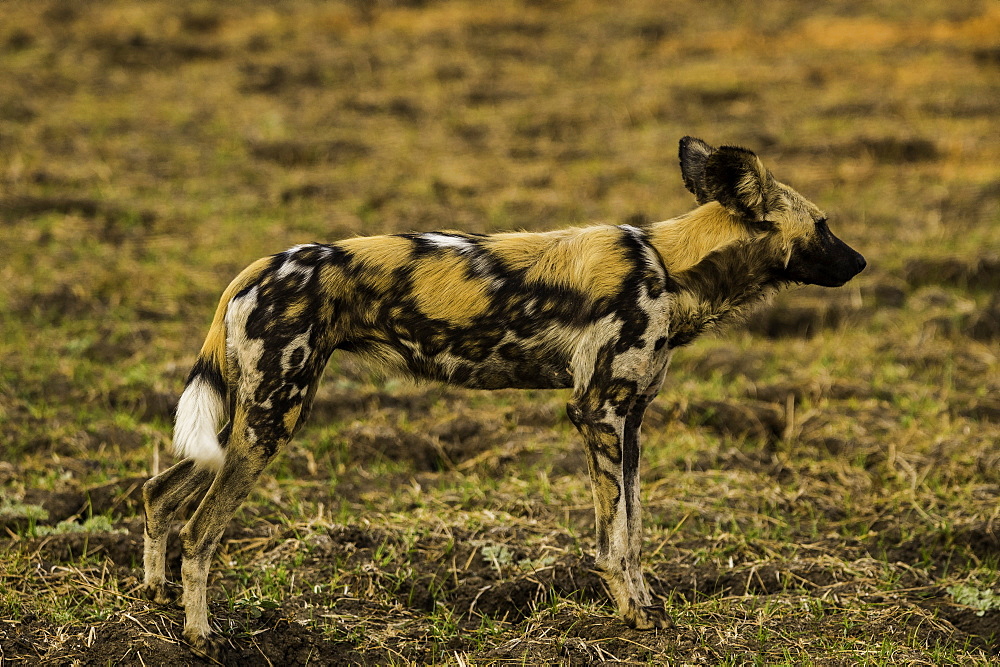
point(608, 415)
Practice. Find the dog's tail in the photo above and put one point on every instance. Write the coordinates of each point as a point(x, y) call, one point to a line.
point(204, 405)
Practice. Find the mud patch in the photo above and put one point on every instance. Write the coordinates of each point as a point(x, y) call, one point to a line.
point(984, 325)
point(943, 550)
point(12, 208)
point(980, 274)
point(885, 293)
point(798, 320)
point(263, 639)
point(728, 362)
point(122, 497)
point(64, 302)
point(279, 78)
point(305, 153)
point(391, 442)
point(140, 51)
point(309, 191)
point(58, 505)
point(754, 419)
point(145, 403)
point(814, 391)
point(514, 599)
point(334, 404)
point(896, 150)
point(115, 223)
point(122, 549)
point(985, 409)
point(985, 626)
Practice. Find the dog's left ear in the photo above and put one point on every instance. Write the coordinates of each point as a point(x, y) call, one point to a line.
point(694, 154)
point(737, 179)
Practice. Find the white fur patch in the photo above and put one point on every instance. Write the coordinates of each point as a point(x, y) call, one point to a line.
point(300, 342)
point(447, 241)
point(588, 345)
point(246, 350)
point(199, 412)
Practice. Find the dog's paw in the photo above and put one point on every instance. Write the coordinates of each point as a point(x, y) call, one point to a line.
point(205, 645)
point(651, 617)
point(163, 593)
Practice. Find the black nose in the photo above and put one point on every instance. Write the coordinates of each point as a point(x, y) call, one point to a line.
point(861, 263)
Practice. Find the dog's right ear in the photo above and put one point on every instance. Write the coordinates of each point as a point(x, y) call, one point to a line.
point(694, 154)
point(737, 179)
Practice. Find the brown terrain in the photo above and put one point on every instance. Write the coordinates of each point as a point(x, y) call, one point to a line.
point(821, 486)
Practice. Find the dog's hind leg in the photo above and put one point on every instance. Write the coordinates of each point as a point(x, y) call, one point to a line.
point(162, 496)
point(258, 433)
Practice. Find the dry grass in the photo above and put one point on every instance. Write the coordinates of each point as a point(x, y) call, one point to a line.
point(820, 488)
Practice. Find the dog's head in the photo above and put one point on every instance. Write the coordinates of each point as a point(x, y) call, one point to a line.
point(736, 178)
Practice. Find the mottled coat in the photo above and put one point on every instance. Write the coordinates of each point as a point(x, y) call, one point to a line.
point(598, 309)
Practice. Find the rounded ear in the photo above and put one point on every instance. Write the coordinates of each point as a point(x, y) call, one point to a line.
point(737, 179)
point(694, 154)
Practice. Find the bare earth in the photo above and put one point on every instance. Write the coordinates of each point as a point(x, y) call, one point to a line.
point(820, 487)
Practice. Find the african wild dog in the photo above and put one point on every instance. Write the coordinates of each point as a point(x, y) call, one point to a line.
point(599, 309)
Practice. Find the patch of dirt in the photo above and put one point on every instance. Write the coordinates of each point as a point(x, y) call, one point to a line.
point(886, 149)
point(985, 409)
point(291, 153)
point(17, 111)
point(985, 626)
point(279, 78)
point(390, 442)
point(980, 274)
point(398, 106)
point(984, 325)
point(122, 549)
point(885, 293)
point(815, 391)
point(895, 150)
point(15, 207)
point(772, 577)
point(798, 320)
point(516, 598)
point(144, 402)
point(492, 574)
point(734, 459)
point(308, 191)
point(585, 640)
point(140, 51)
point(66, 301)
point(263, 639)
point(443, 446)
point(729, 362)
point(945, 550)
point(121, 497)
point(754, 419)
point(60, 505)
point(335, 404)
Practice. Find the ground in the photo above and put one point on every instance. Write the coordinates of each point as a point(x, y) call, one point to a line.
point(820, 485)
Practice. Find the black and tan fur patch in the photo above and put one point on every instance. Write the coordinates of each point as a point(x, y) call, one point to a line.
point(598, 309)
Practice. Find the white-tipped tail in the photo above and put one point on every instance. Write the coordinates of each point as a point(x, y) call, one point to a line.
point(199, 413)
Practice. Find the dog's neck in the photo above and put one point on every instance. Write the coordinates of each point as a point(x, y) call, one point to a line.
point(722, 269)
point(685, 240)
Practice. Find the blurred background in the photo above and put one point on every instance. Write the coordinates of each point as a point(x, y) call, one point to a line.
point(150, 150)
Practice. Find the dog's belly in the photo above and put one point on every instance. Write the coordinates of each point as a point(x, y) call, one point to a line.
point(528, 368)
point(510, 363)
